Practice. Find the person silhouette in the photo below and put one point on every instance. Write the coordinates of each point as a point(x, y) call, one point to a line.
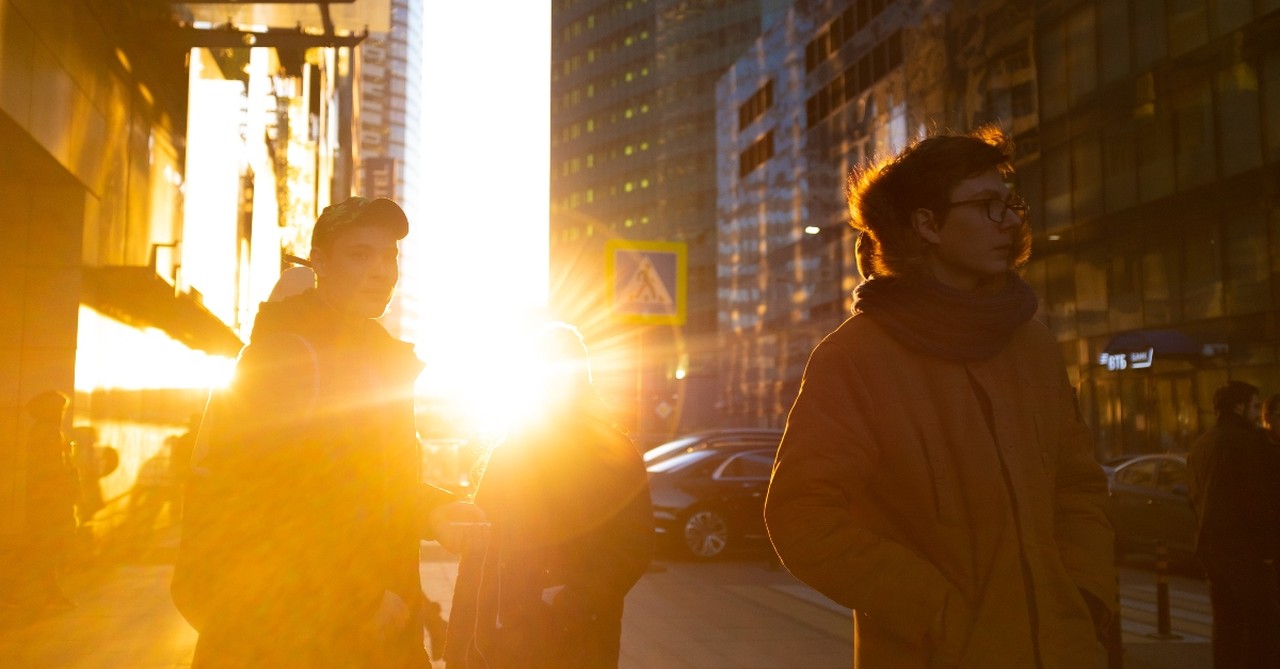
point(52, 487)
point(568, 497)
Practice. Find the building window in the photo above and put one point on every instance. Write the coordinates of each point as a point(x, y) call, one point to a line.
point(1188, 25)
point(1202, 263)
point(1155, 150)
point(1193, 121)
point(1082, 56)
point(756, 105)
point(1113, 40)
point(1271, 104)
point(1149, 37)
point(1161, 279)
point(1249, 271)
point(1239, 125)
point(760, 151)
point(1120, 183)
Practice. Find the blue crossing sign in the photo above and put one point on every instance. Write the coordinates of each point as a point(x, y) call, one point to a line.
point(647, 281)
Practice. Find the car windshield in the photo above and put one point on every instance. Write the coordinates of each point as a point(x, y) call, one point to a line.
point(680, 461)
point(670, 448)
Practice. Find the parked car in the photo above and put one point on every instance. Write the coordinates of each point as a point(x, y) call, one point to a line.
point(1150, 502)
point(734, 437)
point(708, 490)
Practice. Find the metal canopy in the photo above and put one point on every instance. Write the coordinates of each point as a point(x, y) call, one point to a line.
point(230, 37)
point(138, 297)
point(334, 17)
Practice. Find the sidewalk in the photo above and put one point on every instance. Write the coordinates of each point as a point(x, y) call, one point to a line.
point(722, 616)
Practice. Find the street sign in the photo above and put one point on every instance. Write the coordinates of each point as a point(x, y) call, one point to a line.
point(647, 281)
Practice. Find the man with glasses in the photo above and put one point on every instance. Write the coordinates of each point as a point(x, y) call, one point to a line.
point(935, 475)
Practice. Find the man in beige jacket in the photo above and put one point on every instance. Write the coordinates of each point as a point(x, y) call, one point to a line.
point(935, 475)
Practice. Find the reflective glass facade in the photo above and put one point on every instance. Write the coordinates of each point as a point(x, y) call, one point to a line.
point(1156, 182)
point(1148, 138)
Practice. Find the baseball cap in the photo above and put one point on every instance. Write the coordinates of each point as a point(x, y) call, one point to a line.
point(358, 211)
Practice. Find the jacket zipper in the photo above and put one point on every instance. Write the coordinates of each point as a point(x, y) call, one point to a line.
point(988, 413)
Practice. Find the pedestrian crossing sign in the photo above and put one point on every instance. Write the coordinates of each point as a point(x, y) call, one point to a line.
point(647, 281)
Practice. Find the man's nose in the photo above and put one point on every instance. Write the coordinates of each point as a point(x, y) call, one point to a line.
point(386, 268)
point(1011, 220)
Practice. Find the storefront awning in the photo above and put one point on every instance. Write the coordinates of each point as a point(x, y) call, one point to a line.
point(139, 297)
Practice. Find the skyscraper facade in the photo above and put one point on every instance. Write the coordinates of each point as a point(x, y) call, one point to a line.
point(633, 158)
point(390, 110)
point(833, 83)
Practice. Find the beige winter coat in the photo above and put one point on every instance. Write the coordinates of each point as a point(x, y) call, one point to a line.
point(960, 534)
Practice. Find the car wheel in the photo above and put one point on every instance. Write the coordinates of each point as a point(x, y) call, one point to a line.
point(706, 534)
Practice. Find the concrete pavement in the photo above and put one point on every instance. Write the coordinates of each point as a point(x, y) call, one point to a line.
point(724, 615)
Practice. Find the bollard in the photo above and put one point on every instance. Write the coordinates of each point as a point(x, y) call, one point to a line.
point(1163, 626)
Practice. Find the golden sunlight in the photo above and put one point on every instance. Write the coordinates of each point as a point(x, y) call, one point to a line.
point(114, 355)
point(496, 385)
point(480, 257)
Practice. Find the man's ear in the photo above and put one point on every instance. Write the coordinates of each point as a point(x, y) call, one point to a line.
point(926, 225)
point(319, 261)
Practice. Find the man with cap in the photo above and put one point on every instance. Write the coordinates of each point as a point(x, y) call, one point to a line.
point(307, 469)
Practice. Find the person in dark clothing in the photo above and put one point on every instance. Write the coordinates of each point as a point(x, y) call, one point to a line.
point(304, 507)
point(52, 488)
point(935, 475)
point(572, 532)
point(1236, 538)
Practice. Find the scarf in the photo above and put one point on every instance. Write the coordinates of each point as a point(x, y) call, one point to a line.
point(937, 320)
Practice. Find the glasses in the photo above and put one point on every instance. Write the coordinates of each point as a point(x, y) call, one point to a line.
point(997, 208)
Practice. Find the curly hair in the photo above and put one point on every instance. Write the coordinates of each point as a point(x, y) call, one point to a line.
point(883, 194)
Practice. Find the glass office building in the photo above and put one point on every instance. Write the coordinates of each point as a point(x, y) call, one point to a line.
point(1148, 138)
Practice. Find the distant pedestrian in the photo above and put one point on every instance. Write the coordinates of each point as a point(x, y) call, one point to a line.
point(1271, 419)
point(572, 532)
point(1271, 433)
point(304, 510)
point(935, 475)
point(86, 454)
point(52, 489)
point(1237, 510)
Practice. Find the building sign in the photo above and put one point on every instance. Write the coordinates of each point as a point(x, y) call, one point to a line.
point(647, 281)
point(1129, 360)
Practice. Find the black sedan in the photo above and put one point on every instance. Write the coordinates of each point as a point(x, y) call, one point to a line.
point(1150, 503)
point(707, 500)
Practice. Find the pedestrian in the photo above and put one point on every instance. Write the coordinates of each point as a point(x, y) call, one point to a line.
point(1236, 541)
point(52, 487)
point(935, 475)
point(304, 509)
point(1271, 434)
point(572, 532)
point(1271, 419)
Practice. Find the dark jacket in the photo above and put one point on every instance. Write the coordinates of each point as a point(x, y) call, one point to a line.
point(1233, 491)
point(307, 468)
point(52, 484)
point(571, 515)
point(919, 491)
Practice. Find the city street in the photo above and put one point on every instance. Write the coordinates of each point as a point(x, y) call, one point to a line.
point(737, 613)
